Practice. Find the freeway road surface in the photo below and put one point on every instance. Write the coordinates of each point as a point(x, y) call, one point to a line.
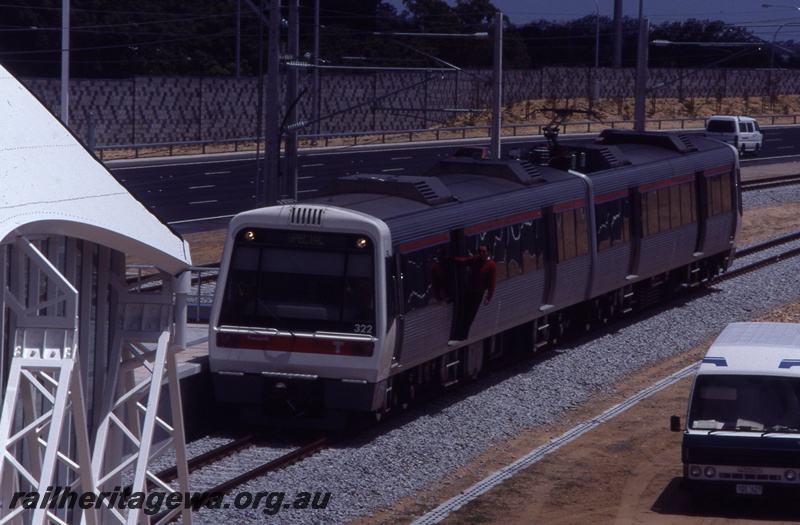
point(202, 192)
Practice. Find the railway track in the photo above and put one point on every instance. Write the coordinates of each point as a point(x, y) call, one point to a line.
point(222, 453)
point(284, 461)
point(767, 261)
point(210, 457)
point(772, 182)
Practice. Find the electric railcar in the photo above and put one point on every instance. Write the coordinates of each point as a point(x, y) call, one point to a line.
point(346, 302)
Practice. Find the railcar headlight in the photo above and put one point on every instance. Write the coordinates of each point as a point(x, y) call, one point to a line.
point(695, 471)
point(710, 472)
point(361, 242)
point(790, 475)
point(250, 235)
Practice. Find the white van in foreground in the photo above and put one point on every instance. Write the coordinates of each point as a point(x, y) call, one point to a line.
point(742, 433)
point(742, 132)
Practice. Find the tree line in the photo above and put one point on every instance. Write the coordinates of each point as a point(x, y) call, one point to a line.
point(229, 37)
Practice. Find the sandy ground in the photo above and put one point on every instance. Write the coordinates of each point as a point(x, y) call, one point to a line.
point(626, 471)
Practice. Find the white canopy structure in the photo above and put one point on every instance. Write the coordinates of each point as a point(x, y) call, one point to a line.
point(49, 183)
point(83, 352)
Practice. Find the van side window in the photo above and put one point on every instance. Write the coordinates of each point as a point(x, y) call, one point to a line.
point(742, 127)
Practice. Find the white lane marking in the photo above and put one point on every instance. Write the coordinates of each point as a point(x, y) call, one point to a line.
point(203, 202)
point(201, 187)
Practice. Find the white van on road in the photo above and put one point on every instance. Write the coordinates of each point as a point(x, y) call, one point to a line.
point(742, 132)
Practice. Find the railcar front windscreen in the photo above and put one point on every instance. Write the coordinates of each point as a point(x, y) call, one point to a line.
point(300, 281)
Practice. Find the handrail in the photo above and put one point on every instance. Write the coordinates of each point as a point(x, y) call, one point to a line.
point(402, 136)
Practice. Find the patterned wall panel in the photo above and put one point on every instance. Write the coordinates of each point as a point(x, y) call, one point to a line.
point(176, 109)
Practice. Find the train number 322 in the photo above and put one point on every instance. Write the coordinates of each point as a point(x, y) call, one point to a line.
point(363, 329)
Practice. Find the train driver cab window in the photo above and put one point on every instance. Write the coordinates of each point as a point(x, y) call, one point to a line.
point(296, 281)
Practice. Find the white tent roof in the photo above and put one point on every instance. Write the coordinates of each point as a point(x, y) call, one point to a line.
point(50, 184)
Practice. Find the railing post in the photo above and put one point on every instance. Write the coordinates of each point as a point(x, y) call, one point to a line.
point(182, 285)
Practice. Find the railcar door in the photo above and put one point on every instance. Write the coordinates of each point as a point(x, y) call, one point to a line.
point(702, 210)
point(457, 276)
point(550, 255)
point(394, 307)
point(637, 230)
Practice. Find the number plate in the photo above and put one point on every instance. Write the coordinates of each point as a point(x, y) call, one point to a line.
point(756, 490)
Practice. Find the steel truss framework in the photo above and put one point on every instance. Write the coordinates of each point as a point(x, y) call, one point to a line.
point(45, 431)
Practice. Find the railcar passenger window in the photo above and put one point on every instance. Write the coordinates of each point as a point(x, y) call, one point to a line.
point(719, 194)
point(652, 212)
point(688, 203)
point(675, 205)
point(572, 228)
point(532, 242)
point(427, 277)
point(725, 191)
point(670, 207)
point(514, 250)
point(663, 209)
point(613, 223)
point(496, 240)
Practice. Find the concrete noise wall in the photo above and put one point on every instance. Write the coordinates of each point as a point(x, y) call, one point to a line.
point(145, 110)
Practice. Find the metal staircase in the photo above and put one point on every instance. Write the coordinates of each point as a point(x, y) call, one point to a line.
point(45, 433)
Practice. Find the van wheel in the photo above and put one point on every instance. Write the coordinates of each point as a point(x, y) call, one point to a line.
point(743, 150)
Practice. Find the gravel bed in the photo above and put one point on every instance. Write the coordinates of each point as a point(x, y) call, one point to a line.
point(429, 443)
point(771, 196)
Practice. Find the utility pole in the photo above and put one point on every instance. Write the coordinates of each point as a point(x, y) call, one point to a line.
point(288, 179)
point(272, 147)
point(617, 34)
point(497, 84)
point(640, 88)
point(315, 103)
point(65, 62)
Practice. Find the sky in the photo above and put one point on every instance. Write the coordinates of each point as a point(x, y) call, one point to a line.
point(783, 19)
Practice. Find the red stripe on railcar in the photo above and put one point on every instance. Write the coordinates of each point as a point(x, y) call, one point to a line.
point(571, 205)
point(503, 222)
point(717, 171)
point(297, 344)
point(666, 183)
point(610, 196)
point(424, 243)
